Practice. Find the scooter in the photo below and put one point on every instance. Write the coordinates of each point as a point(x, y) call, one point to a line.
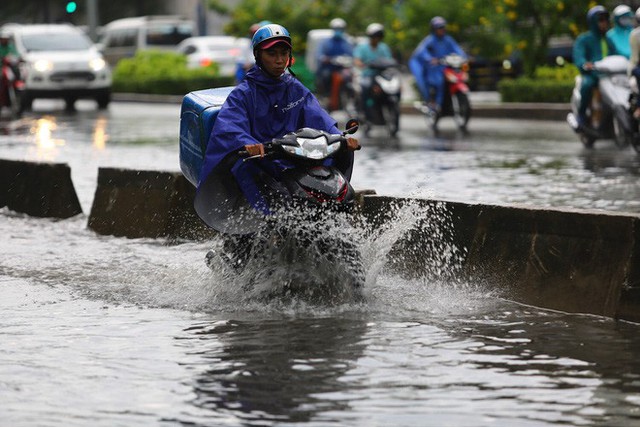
point(302, 201)
point(341, 94)
point(11, 87)
point(302, 204)
point(456, 99)
point(382, 104)
point(634, 137)
point(609, 115)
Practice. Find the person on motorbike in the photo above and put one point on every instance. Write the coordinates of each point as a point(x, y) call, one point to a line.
point(335, 46)
point(268, 103)
point(622, 25)
point(425, 62)
point(7, 49)
point(364, 54)
point(589, 47)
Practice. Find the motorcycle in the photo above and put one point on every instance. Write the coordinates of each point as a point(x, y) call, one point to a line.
point(11, 87)
point(609, 115)
point(340, 94)
point(382, 104)
point(456, 99)
point(634, 137)
point(303, 231)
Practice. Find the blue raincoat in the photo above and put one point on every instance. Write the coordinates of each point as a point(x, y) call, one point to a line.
point(428, 75)
point(259, 109)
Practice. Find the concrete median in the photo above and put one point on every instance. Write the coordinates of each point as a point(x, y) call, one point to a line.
point(574, 261)
point(38, 189)
point(132, 203)
point(570, 260)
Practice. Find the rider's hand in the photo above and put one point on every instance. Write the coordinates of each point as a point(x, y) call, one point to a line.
point(353, 144)
point(255, 149)
point(435, 61)
point(588, 66)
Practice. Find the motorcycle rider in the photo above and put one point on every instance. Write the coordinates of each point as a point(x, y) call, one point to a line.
point(336, 45)
point(268, 103)
point(7, 49)
point(621, 30)
point(425, 62)
point(589, 47)
point(364, 54)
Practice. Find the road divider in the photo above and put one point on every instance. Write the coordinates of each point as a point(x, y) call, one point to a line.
point(133, 203)
point(38, 189)
point(571, 260)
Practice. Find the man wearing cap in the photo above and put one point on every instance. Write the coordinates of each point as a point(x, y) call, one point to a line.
point(267, 104)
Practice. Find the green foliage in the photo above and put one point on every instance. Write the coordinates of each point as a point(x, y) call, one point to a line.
point(159, 72)
point(566, 73)
point(525, 89)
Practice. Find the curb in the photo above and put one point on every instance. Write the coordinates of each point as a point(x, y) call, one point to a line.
point(482, 109)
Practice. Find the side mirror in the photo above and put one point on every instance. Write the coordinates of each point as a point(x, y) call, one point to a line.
point(352, 126)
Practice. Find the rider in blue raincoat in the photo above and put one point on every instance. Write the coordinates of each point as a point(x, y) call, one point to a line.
point(424, 62)
point(268, 103)
point(589, 47)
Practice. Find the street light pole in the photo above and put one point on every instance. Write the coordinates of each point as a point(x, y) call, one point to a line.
point(92, 18)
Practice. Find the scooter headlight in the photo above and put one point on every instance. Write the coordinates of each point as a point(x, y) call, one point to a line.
point(312, 148)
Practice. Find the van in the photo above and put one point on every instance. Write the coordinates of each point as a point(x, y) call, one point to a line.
point(122, 38)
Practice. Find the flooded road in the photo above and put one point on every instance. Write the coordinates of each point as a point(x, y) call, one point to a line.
point(106, 331)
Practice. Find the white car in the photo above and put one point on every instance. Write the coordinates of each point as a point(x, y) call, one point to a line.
point(60, 61)
point(226, 51)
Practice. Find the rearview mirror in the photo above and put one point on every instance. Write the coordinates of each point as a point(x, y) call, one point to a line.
point(352, 126)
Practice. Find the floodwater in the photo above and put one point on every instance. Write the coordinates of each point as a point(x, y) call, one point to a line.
point(105, 331)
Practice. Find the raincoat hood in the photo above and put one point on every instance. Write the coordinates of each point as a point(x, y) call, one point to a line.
point(592, 18)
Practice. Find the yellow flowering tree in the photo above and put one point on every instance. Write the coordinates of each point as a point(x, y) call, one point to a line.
point(531, 24)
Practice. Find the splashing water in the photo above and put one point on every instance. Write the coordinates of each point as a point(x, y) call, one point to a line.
point(336, 258)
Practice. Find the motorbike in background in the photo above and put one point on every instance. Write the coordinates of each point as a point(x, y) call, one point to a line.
point(382, 104)
point(456, 102)
point(610, 114)
point(634, 100)
point(11, 87)
point(341, 95)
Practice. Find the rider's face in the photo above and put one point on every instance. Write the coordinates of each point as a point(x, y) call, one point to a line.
point(275, 59)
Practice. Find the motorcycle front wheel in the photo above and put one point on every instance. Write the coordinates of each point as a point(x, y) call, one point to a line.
point(391, 115)
point(620, 135)
point(15, 102)
point(461, 110)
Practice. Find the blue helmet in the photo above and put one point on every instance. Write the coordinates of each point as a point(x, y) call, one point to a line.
point(270, 34)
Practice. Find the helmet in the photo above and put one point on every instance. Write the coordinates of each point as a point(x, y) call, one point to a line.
point(594, 13)
point(338, 24)
point(375, 29)
point(270, 34)
point(623, 9)
point(438, 22)
point(623, 16)
point(255, 27)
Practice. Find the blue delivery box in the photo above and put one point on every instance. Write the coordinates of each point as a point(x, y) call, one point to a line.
point(197, 115)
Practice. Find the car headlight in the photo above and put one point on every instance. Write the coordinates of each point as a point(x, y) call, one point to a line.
point(97, 64)
point(43, 65)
